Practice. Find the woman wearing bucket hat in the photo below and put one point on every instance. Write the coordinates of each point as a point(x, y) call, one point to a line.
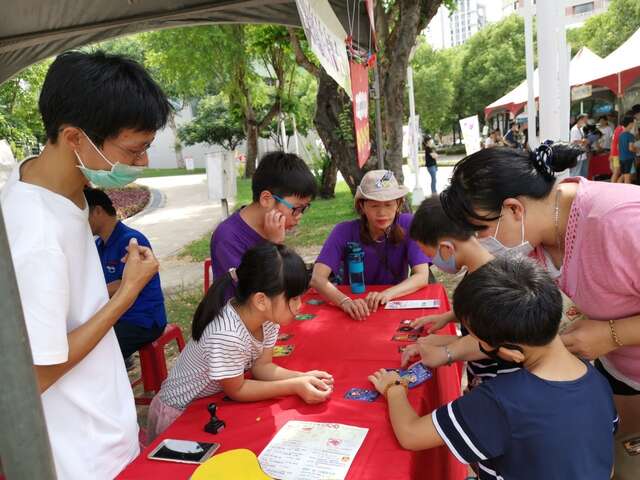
point(382, 232)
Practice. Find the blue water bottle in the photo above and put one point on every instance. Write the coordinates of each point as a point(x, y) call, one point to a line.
point(355, 263)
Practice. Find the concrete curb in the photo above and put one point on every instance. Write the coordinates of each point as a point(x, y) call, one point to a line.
point(157, 199)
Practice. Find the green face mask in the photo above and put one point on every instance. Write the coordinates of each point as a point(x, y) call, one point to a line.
point(119, 176)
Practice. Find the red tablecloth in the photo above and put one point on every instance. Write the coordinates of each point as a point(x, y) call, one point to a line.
point(350, 351)
point(599, 165)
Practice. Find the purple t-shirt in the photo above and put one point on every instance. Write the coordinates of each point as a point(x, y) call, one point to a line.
point(384, 262)
point(229, 241)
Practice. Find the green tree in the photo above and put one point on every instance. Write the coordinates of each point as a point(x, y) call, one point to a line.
point(435, 76)
point(216, 122)
point(492, 63)
point(605, 32)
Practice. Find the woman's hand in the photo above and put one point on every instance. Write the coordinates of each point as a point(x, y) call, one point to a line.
point(356, 309)
point(375, 299)
point(588, 339)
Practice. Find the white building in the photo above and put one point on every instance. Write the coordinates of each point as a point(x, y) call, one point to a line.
point(577, 11)
point(448, 29)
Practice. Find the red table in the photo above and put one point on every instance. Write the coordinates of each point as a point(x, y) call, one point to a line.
point(350, 351)
point(599, 165)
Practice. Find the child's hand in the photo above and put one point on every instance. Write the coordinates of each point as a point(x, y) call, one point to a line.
point(356, 309)
point(312, 390)
point(375, 299)
point(431, 356)
point(437, 322)
point(274, 226)
point(327, 378)
point(383, 378)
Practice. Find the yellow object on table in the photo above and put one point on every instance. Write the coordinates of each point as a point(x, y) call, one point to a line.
point(231, 465)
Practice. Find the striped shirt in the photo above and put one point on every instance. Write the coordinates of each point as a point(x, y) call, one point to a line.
point(520, 426)
point(226, 349)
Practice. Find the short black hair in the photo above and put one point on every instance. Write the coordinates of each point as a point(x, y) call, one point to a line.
point(626, 120)
point(430, 223)
point(98, 198)
point(635, 109)
point(509, 300)
point(603, 117)
point(101, 94)
point(283, 174)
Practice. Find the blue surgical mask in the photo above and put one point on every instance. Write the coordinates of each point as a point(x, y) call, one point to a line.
point(119, 176)
point(497, 248)
point(448, 266)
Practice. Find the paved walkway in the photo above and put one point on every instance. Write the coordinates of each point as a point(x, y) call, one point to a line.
point(180, 212)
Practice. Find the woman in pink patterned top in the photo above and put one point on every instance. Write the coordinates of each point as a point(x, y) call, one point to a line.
point(585, 233)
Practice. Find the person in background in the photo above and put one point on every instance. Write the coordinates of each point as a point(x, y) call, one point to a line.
point(430, 160)
point(146, 319)
point(627, 147)
point(577, 137)
point(511, 139)
point(494, 139)
point(607, 133)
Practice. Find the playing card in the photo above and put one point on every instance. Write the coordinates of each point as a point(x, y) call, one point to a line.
point(416, 373)
point(315, 301)
point(408, 329)
point(412, 304)
point(283, 337)
point(305, 316)
point(283, 350)
point(404, 337)
point(361, 394)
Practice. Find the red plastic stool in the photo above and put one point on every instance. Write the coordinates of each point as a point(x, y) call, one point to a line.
point(153, 365)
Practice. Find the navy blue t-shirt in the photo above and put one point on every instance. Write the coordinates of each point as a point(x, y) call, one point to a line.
point(148, 309)
point(519, 426)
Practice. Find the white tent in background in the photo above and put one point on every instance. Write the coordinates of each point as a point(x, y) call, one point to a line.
point(620, 68)
point(581, 69)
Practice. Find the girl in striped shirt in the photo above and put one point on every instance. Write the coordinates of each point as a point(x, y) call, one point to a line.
point(230, 339)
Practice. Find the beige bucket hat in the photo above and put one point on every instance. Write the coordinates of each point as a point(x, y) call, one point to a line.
point(380, 185)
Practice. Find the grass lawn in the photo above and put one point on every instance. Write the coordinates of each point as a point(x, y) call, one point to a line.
point(169, 172)
point(314, 228)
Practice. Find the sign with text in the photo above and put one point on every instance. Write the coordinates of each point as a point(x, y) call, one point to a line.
point(360, 89)
point(579, 92)
point(326, 38)
point(470, 128)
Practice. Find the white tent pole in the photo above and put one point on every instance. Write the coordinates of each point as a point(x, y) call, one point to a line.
point(417, 195)
point(283, 134)
point(529, 56)
point(295, 135)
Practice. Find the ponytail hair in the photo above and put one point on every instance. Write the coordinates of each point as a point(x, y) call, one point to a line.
point(268, 268)
point(485, 179)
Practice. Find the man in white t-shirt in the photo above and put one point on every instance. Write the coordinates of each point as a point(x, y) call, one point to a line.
point(577, 137)
point(607, 132)
point(97, 110)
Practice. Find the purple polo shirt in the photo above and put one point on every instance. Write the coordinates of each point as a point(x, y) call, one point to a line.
point(384, 262)
point(229, 241)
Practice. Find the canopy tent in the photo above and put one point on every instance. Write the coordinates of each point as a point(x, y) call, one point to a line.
point(31, 30)
point(581, 68)
point(620, 68)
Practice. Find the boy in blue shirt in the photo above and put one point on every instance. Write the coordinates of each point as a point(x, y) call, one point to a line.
point(553, 419)
point(627, 149)
point(145, 320)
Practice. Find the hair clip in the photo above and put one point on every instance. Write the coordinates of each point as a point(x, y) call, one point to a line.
point(541, 158)
point(233, 275)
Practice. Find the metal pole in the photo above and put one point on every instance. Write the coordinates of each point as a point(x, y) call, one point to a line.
point(295, 135)
point(24, 442)
point(417, 195)
point(379, 142)
point(283, 133)
point(529, 55)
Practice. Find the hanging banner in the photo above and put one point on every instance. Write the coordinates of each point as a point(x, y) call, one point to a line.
point(470, 128)
point(326, 38)
point(370, 6)
point(360, 86)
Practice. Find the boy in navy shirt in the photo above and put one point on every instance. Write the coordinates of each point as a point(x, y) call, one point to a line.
point(146, 319)
point(552, 419)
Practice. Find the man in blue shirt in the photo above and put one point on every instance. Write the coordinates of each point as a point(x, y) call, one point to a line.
point(553, 419)
point(146, 319)
point(627, 149)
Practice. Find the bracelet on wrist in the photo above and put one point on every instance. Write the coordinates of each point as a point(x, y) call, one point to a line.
point(344, 300)
point(449, 356)
point(398, 382)
point(614, 334)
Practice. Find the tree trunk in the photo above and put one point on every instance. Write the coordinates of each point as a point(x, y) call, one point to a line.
point(177, 145)
point(252, 149)
point(329, 104)
point(329, 179)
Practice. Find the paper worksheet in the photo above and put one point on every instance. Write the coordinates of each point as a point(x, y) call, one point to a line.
point(304, 450)
point(412, 304)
